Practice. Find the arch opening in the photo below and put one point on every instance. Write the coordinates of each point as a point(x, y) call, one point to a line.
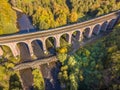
point(24, 51)
point(51, 45)
point(37, 46)
point(1, 51)
point(76, 35)
point(6, 50)
point(86, 33)
point(12, 84)
point(111, 24)
point(96, 29)
point(64, 40)
point(104, 26)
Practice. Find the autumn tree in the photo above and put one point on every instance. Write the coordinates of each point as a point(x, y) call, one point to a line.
point(73, 17)
point(38, 80)
point(7, 18)
point(43, 18)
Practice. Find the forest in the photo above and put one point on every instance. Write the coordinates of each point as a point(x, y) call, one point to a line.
point(46, 14)
point(7, 18)
point(92, 67)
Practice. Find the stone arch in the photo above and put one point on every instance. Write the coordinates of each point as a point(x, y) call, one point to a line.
point(11, 47)
point(24, 51)
point(51, 44)
point(6, 49)
point(37, 46)
point(104, 26)
point(111, 24)
point(1, 51)
point(76, 35)
point(96, 29)
point(86, 32)
point(64, 39)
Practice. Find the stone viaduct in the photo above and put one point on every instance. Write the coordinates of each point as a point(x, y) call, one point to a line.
point(79, 31)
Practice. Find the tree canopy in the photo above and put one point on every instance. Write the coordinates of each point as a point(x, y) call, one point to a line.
point(91, 66)
point(7, 18)
point(47, 14)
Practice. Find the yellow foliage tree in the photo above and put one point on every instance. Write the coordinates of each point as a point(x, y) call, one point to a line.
point(73, 17)
point(63, 50)
point(38, 80)
point(7, 18)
